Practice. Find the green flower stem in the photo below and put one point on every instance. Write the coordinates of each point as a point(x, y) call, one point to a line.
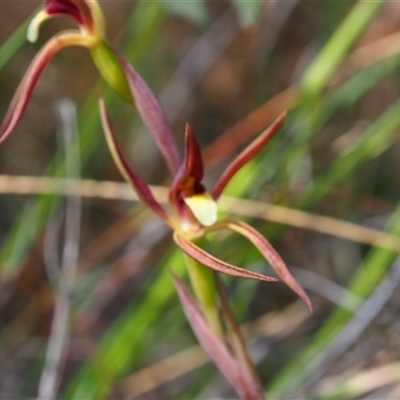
point(204, 286)
point(111, 70)
point(209, 291)
point(236, 336)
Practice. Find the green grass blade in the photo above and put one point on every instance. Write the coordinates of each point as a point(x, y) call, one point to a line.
point(33, 218)
point(376, 139)
point(10, 48)
point(317, 75)
point(373, 142)
point(356, 87)
point(338, 45)
point(368, 275)
point(122, 346)
point(306, 124)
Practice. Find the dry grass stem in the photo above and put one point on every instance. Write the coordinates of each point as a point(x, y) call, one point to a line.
point(371, 53)
point(304, 220)
point(360, 382)
point(63, 271)
point(26, 185)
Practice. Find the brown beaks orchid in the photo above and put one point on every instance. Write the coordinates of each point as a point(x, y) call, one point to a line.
point(91, 34)
point(193, 210)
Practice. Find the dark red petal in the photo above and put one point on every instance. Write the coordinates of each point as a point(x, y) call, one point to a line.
point(25, 88)
point(153, 115)
point(214, 263)
point(268, 252)
point(77, 9)
point(193, 162)
point(129, 174)
point(247, 155)
point(192, 167)
point(222, 358)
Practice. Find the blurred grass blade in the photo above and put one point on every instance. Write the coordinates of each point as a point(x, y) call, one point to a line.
point(376, 139)
point(142, 29)
point(64, 272)
point(193, 10)
point(122, 346)
point(248, 11)
point(13, 44)
point(360, 382)
point(338, 45)
point(368, 275)
point(356, 87)
point(33, 218)
point(373, 142)
point(316, 77)
point(8, 50)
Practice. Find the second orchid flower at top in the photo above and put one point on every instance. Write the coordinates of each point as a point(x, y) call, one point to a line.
point(91, 35)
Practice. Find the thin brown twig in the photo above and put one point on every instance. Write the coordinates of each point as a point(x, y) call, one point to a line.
point(360, 382)
point(25, 185)
point(305, 220)
point(65, 270)
point(370, 53)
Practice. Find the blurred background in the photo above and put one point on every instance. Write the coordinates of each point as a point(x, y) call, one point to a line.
point(325, 193)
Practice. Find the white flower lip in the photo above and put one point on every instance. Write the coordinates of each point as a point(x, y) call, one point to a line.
point(203, 207)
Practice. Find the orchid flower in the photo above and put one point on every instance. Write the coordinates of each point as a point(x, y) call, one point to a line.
point(191, 215)
point(192, 209)
point(91, 34)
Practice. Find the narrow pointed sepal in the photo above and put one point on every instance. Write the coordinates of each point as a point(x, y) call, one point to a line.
point(229, 366)
point(206, 259)
point(193, 161)
point(125, 169)
point(187, 185)
point(190, 173)
point(25, 88)
point(152, 115)
point(251, 151)
point(268, 252)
